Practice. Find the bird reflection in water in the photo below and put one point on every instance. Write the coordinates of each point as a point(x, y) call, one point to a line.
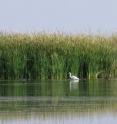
point(73, 84)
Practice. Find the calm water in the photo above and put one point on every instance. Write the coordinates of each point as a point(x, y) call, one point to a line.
point(58, 102)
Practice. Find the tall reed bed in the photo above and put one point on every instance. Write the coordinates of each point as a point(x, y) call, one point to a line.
point(52, 56)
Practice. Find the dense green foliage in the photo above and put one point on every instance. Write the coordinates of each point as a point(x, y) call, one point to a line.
point(44, 56)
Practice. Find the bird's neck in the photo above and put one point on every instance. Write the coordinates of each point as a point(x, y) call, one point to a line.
point(70, 75)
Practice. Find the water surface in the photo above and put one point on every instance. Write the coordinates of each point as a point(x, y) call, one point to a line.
point(60, 102)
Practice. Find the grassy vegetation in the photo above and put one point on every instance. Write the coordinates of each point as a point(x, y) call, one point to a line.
point(44, 56)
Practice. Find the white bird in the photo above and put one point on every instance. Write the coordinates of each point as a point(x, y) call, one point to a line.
point(72, 77)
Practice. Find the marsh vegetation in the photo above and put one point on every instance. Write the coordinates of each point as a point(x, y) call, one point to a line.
point(52, 56)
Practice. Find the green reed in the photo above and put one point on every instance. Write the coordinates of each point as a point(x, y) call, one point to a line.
point(52, 56)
